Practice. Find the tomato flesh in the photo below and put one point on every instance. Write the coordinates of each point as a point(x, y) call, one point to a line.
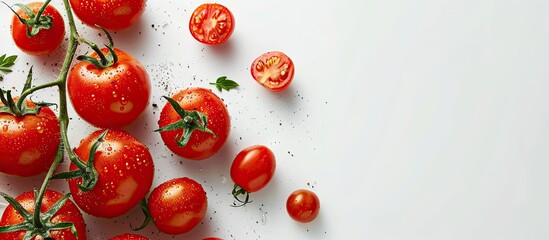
point(47, 40)
point(67, 213)
point(29, 143)
point(178, 205)
point(303, 205)
point(111, 15)
point(125, 169)
point(273, 70)
point(253, 168)
point(211, 23)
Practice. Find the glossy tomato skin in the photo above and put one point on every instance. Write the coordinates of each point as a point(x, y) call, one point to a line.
point(253, 168)
point(178, 205)
point(211, 23)
point(28, 143)
point(112, 97)
point(126, 170)
point(303, 205)
point(47, 40)
point(112, 15)
point(129, 236)
point(201, 144)
point(273, 70)
point(68, 213)
point(212, 238)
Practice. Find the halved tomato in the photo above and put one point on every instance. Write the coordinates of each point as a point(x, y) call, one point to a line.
point(211, 23)
point(273, 70)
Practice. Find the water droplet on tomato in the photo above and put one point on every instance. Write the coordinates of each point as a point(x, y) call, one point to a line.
point(39, 129)
point(109, 148)
point(96, 86)
point(122, 108)
point(114, 95)
point(5, 128)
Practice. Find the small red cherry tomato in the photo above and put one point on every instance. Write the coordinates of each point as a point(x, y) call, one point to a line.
point(111, 97)
point(213, 238)
point(67, 213)
point(303, 205)
point(112, 15)
point(47, 40)
point(273, 70)
point(211, 23)
point(178, 205)
point(129, 236)
point(253, 168)
point(29, 143)
point(201, 144)
point(126, 171)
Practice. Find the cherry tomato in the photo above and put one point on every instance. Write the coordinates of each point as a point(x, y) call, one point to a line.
point(47, 40)
point(29, 143)
point(177, 205)
point(129, 236)
point(201, 144)
point(213, 238)
point(211, 23)
point(125, 169)
point(273, 70)
point(303, 205)
point(112, 97)
point(111, 15)
point(67, 213)
point(253, 168)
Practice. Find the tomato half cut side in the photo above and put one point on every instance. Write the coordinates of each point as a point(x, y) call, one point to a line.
point(273, 70)
point(211, 23)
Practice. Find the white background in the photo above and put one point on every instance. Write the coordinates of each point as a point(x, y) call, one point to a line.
point(420, 119)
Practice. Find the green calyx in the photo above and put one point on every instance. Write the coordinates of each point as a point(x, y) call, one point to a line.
point(237, 191)
point(20, 108)
point(43, 225)
point(86, 170)
point(148, 218)
point(190, 121)
point(36, 21)
point(104, 61)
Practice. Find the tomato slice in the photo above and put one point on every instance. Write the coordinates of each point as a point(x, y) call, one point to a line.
point(211, 23)
point(273, 70)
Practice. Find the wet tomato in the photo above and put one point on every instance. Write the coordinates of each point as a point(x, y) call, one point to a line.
point(273, 70)
point(67, 213)
point(201, 144)
point(111, 97)
point(111, 15)
point(125, 168)
point(253, 168)
point(211, 23)
point(178, 205)
point(47, 40)
point(303, 205)
point(29, 143)
point(129, 236)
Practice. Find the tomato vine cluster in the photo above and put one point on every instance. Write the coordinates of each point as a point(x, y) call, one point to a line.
point(110, 171)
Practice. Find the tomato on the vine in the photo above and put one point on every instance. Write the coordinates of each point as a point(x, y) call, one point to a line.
point(125, 174)
point(303, 205)
point(200, 139)
point(111, 97)
point(29, 143)
point(211, 23)
point(112, 15)
point(178, 205)
point(47, 39)
point(67, 213)
point(129, 236)
point(273, 70)
point(252, 169)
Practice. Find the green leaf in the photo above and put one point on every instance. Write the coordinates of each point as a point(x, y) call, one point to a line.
point(7, 62)
point(224, 83)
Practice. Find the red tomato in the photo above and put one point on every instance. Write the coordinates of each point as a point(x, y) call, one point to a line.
point(273, 70)
point(212, 239)
point(46, 40)
point(125, 169)
point(129, 236)
point(201, 144)
point(112, 97)
point(253, 168)
point(67, 213)
point(29, 143)
point(211, 23)
point(112, 15)
point(303, 205)
point(177, 205)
